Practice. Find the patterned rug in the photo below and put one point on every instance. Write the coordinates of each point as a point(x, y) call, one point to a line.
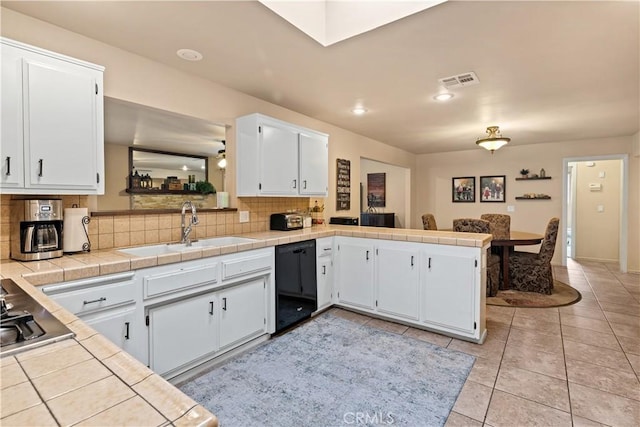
point(332, 372)
point(562, 294)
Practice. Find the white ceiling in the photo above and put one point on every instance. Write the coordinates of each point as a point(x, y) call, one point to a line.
point(548, 71)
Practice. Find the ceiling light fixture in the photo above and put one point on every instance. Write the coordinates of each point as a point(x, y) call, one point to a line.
point(494, 140)
point(358, 111)
point(189, 54)
point(443, 96)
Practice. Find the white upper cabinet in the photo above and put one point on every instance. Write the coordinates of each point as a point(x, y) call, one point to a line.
point(52, 123)
point(275, 158)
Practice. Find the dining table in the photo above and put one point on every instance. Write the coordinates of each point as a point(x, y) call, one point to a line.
point(516, 238)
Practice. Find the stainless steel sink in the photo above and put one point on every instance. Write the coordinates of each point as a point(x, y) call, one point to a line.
point(169, 248)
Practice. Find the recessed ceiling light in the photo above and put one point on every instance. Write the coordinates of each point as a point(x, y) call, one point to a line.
point(443, 96)
point(189, 54)
point(359, 111)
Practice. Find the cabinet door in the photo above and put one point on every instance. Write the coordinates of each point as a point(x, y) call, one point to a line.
point(243, 312)
point(278, 160)
point(449, 291)
point(61, 129)
point(354, 274)
point(182, 332)
point(314, 164)
point(11, 140)
point(398, 282)
point(324, 279)
point(119, 327)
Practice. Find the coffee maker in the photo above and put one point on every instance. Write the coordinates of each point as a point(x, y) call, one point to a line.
point(36, 229)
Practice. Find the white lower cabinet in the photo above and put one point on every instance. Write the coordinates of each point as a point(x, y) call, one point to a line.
point(398, 280)
point(120, 326)
point(450, 294)
point(243, 312)
point(354, 272)
point(324, 272)
point(182, 332)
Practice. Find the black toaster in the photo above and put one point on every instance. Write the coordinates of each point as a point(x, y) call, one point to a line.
point(286, 221)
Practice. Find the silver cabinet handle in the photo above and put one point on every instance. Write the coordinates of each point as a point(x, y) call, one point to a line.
point(40, 167)
point(224, 304)
point(94, 300)
point(211, 308)
point(8, 166)
point(126, 334)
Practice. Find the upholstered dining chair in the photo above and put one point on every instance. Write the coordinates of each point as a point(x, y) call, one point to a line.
point(499, 225)
point(429, 222)
point(474, 225)
point(532, 272)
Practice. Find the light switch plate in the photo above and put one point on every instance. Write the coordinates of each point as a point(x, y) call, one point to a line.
point(244, 216)
point(601, 174)
point(511, 208)
point(600, 208)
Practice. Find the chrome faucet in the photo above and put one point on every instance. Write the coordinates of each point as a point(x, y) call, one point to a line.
point(193, 221)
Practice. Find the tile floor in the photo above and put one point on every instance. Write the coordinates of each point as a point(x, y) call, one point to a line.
point(569, 366)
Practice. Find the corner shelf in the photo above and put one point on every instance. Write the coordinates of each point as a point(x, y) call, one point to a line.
point(533, 198)
point(533, 179)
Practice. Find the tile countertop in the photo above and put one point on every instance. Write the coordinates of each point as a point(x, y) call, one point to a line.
point(91, 381)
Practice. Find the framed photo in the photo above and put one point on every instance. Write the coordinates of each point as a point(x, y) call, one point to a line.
point(463, 189)
point(492, 188)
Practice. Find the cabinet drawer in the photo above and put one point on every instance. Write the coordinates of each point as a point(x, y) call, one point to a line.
point(323, 250)
point(240, 267)
point(94, 298)
point(176, 280)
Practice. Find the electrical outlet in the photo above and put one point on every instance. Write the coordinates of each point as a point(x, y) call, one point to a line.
point(601, 175)
point(511, 208)
point(244, 216)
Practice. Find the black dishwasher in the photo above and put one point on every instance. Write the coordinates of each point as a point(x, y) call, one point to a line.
point(296, 293)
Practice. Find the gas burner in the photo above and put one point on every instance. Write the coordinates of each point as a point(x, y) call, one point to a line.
point(24, 323)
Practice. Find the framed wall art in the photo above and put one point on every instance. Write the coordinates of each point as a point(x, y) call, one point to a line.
point(376, 190)
point(463, 189)
point(492, 188)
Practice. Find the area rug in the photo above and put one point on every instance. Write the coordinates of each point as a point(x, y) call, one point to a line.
point(331, 371)
point(562, 295)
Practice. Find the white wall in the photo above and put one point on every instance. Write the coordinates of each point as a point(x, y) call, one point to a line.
point(398, 197)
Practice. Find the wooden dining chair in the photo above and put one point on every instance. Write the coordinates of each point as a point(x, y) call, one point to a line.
point(474, 225)
point(532, 272)
point(429, 222)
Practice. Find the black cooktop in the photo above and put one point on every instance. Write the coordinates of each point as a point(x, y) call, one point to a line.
point(24, 323)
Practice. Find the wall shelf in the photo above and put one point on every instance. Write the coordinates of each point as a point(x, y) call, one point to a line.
point(533, 198)
point(158, 191)
point(533, 179)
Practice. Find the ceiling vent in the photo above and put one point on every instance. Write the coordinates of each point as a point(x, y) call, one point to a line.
point(461, 80)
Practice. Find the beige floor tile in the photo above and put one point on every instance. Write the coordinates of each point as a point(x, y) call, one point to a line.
point(597, 355)
point(45, 364)
point(473, 400)
point(492, 348)
point(533, 386)
point(623, 319)
point(65, 380)
point(508, 410)
point(634, 359)
point(458, 420)
point(630, 345)
point(395, 328)
point(537, 325)
point(586, 336)
point(428, 336)
point(132, 412)
point(11, 375)
point(535, 341)
point(629, 308)
point(583, 422)
point(622, 383)
point(551, 364)
point(603, 407)
point(586, 323)
point(18, 398)
point(37, 415)
point(484, 371)
point(350, 315)
point(90, 400)
point(546, 314)
point(630, 331)
point(498, 330)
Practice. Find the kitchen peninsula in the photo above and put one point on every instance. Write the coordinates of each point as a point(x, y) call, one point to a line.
point(109, 384)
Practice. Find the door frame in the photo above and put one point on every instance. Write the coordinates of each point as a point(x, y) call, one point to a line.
point(624, 201)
